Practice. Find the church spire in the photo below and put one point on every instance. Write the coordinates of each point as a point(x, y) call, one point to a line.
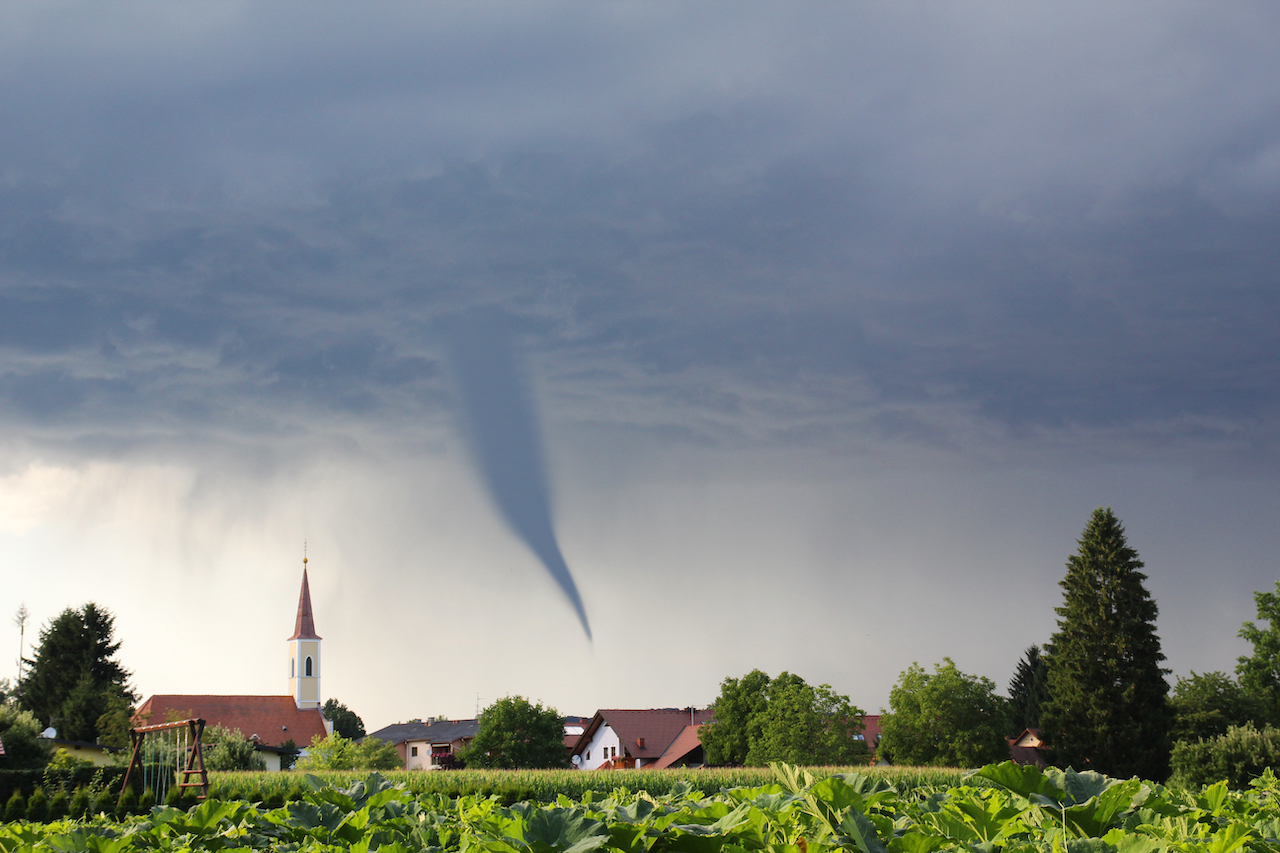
point(304, 651)
point(304, 627)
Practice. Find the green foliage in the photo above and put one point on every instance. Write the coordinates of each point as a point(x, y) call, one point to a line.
point(20, 733)
point(38, 806)
point(375, 754)
point(345, 721)
point(74, 672)
point(727, 739)
point(114, 723)
point(945, 718)
point(548, 786)
point(1001, 809)
point(1239, 755)
point(810, 726)
point(63, 761)
point(228, 749)
point(59, 804)
point(1206, 705)
point(1107, 709)
point(80, 802)
point(1027, 691)
point(1259, 673)
point(759, 720)
point(16, 807)
point(128, 802)
point(516, 734)
point(339, 753)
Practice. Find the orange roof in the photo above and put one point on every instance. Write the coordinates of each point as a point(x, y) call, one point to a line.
point(686, 742)
point(274, 719)
point(304, 628)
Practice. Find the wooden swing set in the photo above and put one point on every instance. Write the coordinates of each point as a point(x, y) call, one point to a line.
point(158, 757)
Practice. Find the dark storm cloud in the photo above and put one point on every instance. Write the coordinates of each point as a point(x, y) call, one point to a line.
point(731, 228)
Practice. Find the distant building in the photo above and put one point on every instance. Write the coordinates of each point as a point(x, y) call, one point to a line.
point(431, 745)
point(1029, 748)
point(655, 737)
point(269, 721)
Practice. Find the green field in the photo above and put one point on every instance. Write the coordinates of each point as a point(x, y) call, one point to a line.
point(546, 785)
point(1001, 808)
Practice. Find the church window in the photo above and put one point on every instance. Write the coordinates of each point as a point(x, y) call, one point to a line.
point(309, 673)
point(292, 666)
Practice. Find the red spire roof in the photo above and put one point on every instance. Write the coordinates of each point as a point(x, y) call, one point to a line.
point(305, 626)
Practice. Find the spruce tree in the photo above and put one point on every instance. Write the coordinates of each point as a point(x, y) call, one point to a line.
point(1107, 709)
point(74, 674)
point(1027, 691)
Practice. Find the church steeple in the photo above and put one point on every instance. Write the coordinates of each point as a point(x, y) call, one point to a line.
point(304, 651)
point(304, 628)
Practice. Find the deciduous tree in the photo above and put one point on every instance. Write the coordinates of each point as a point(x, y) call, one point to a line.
point(517, 734)
point(1206, 705)
point(20, 734)
point(1107, 709)
point(808, 725)
point(727, 739)
point(1259, 673)
point(759, 719)
point(228, 749)
point(345, 721)
point(946, 718)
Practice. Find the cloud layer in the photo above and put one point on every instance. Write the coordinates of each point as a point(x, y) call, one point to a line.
point(955, 254)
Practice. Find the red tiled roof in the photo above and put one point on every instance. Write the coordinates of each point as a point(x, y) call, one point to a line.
point(304, 628)
point(274, 719)
point(686, 742)
point(656, 728)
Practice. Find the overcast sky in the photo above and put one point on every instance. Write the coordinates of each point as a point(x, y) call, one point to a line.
point(820, 331)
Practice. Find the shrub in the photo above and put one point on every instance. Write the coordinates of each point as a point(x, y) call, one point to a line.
point(16, 808)
point(59, 805)
point(38, 806)
point(1238, 756)
point(80, 802)
point(103, 803)
point(128, 803)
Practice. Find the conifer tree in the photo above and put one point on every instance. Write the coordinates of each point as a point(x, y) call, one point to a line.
point(74, 673)
point(1027, 691)
point(1107, 708)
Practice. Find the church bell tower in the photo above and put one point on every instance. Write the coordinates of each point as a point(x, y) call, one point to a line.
point(304, 652)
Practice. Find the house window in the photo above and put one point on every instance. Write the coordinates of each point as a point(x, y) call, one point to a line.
point(413, 750)
point(588, 755)
point(308, 666)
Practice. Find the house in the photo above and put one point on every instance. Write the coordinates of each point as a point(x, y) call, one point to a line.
point(1029, 748)
point(871, 733)
point(656, 737)
point(268, 721)
point(101, 756)
point(431, 745)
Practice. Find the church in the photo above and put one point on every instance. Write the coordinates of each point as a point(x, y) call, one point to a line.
point(269, 721)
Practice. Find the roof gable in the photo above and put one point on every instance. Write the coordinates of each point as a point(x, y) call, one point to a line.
point(643, 733)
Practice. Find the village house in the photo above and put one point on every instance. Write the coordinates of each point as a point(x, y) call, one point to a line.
point(657, 737)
